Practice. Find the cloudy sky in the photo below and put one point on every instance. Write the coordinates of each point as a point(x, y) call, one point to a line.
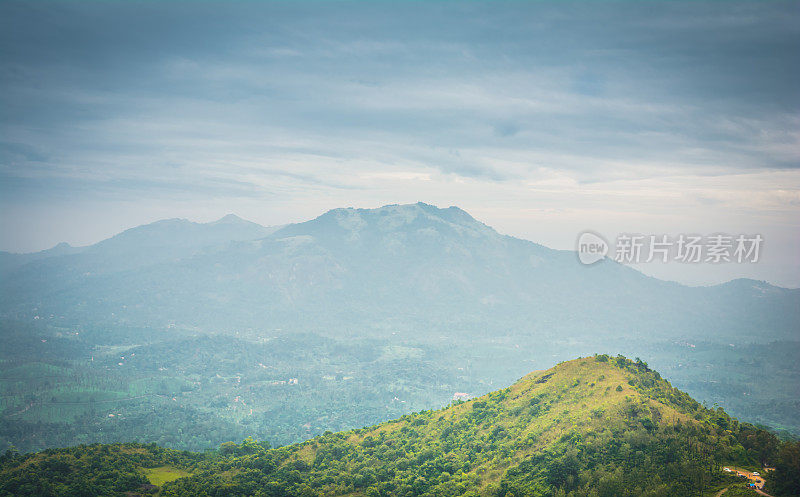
point(540, 119)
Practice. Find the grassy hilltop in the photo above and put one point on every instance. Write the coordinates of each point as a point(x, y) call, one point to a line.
point(597, 426)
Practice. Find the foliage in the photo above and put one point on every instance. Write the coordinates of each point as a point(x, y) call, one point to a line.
point(195, 392)
point(785, 479)
point(565, 431)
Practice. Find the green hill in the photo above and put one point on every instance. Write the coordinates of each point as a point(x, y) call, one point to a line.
point(595, 426)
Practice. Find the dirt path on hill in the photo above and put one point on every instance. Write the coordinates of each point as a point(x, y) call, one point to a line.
point(758, 480)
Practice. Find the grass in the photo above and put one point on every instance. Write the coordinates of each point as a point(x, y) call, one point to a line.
point(163, 474)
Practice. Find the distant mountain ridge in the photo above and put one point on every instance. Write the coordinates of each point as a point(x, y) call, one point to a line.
point(154, 241)
point(403, 268)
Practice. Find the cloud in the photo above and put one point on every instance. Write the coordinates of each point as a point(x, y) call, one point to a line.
point(284, 102)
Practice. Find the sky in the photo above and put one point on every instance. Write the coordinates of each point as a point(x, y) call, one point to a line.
point(541, 119)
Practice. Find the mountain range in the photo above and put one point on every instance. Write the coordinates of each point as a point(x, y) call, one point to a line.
point(279, 331)
point(412, 269)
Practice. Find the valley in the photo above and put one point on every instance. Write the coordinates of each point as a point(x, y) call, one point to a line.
point(289, 388)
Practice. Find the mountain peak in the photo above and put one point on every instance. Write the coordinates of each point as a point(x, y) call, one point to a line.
point(230, 219)
point(394, 216)
point(748, 285)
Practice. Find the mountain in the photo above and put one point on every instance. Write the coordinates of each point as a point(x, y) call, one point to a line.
point(10, 261)
point(179, 237)
point(47, 276)
point(144, 245)
point(413, 269)
point(161, 240)
point(597, 426)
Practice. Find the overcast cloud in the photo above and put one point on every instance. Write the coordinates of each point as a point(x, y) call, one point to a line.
point(541, 119)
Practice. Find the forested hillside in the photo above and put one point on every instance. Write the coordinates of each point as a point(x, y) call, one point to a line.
point(599, 426)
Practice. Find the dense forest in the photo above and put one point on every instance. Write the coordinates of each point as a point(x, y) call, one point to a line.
point(594, 427)
point(195, 391)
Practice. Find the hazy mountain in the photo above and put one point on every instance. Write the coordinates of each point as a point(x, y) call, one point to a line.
point(595, 426)
point(409, 268)
point(66, 270)
point(144, 245)
point(10, 261)
point(174, 233)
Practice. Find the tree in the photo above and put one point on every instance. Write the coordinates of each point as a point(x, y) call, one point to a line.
point(785, 480)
